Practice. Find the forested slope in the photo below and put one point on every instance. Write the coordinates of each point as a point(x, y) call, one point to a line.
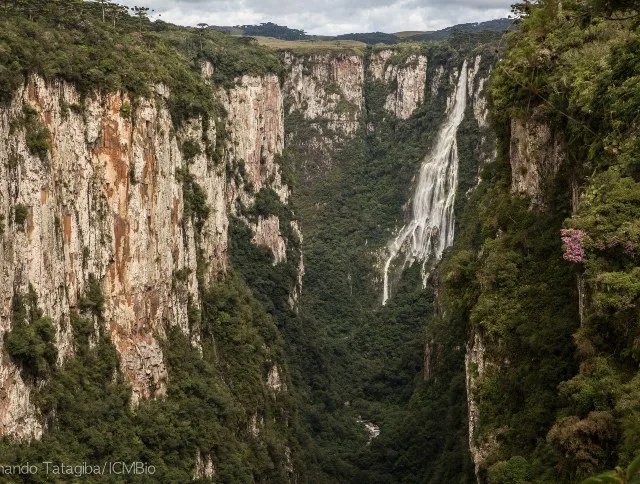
point(545, 269)
point(194, 229)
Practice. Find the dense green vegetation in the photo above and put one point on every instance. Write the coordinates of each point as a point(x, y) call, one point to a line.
point(358, 360)
point(31, 341)
point(559, 400)
point(265, 29)
point(76, 42)
point(36, 133)
point(20, 212)
point(210, 403)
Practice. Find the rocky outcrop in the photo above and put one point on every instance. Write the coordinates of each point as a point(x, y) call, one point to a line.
point(274, 380)
point(17, 410)
point(256, 131)
point(294, 297)
point(370, 428)
point(327, 89)
point(204, 467)
point(535, 155)
point(475, 367)
point(436, 80)
point(478, 79)
point(106, 202)
point(267, 233)
point(407, 78)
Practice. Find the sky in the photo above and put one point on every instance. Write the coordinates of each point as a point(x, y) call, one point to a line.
point(329, 17)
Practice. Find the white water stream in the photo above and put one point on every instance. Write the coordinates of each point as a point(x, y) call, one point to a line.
point(431, 227)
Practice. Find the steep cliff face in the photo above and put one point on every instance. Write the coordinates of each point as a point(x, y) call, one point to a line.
point(353, 194)
point(327, 89)
point(407, 80)
point(431, 225)
point(107, 203)
point(535, 156)
point(256, 130)
point(550, 378)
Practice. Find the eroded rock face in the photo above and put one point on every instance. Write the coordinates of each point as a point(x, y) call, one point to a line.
point(256, 131)
point(204, 467)
point(267, 233)
point(17, 411)
point(274, 380)
point(105, 203)
point(535, 155)
point(327, 88)
point(409, 79)
point(475, 366)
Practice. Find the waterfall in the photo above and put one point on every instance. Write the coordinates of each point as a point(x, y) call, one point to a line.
point(430, 229)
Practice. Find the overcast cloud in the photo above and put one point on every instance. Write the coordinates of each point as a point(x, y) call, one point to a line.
point(330, 17)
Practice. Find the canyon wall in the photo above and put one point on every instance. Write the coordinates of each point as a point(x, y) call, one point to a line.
point(107, 203)
point(535, 154)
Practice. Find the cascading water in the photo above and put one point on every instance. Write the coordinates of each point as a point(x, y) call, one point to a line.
point(430, 230)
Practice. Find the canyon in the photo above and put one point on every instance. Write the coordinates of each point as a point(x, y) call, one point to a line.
point(243, 260)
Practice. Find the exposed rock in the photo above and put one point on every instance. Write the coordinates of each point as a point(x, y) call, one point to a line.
point(535, 155)
point(17, 411)
point(204, 467)
point(289, 464)
point(327, 88)
point(372, 429)
point(267, 233)
point(256, 131)
point(257, 423)
point(274, 381)
point(436, 80)
point(378, 64)
point(409, 79)
point(475, 366)
point(296, 292)
point(207, 69)
point(213, 181)
point(486, 147)
point(106, 203)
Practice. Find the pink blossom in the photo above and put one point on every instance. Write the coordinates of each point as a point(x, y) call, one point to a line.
point(573, 244)
point(630, 248)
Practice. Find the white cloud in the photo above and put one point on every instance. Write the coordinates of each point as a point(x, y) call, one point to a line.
point(330, 17)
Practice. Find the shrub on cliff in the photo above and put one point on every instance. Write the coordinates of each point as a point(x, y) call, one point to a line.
point(21, 212)
point(31, 341)
point(93, 299)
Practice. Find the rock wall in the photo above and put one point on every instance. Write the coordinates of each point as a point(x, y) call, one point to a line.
point(408, 80)
point(327, 89)
point(475, 366)
point(105, 203)
point(535, 155)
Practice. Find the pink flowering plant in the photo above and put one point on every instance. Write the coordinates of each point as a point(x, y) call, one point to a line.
point(630, 248)
point(573, 244)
